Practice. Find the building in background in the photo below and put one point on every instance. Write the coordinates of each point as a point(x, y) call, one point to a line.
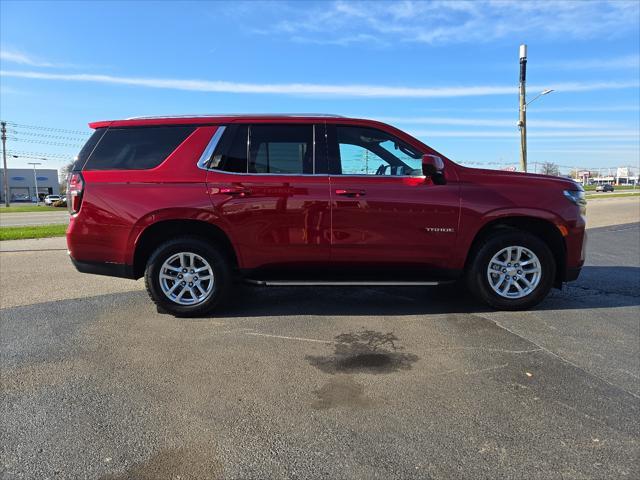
point(613, 176)
point(22, 184)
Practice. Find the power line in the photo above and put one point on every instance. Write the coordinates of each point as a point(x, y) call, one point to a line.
point(49, 129)
point(44, 142)
point(45, 135)
point(40, 155)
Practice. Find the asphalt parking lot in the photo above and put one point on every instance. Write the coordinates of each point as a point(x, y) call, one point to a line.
point(320, 383)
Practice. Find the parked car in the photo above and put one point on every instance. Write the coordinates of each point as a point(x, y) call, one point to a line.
point(51, 199)
point(21, 197)
point(194, 204)
point(604, 188)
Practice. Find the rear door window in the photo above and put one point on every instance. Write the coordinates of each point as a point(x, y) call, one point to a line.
point(136, 148)
point(281, 149)
point(271, 149)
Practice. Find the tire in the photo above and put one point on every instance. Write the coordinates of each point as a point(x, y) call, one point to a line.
point(494, 250)
point(184, 251)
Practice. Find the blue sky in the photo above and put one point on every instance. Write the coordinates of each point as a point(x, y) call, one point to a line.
point(446, 72)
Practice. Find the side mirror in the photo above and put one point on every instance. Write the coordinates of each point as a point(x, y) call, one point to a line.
point(433, 167)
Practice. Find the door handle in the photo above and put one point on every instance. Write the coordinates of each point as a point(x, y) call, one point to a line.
point(235, 191)
point(350, 193)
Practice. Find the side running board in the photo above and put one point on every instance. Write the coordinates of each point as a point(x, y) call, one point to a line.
point(328, 283)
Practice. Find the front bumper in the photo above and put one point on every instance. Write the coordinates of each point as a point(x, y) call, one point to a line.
point(572, 274)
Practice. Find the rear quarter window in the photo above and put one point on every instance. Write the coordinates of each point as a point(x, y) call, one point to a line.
point(137, 148)
point(81, 159)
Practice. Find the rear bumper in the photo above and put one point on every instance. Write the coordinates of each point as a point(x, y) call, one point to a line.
point(100, 268)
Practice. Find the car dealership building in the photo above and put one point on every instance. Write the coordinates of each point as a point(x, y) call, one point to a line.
point(22, 186)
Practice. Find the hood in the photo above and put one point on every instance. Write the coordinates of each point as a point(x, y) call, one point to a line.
point(530, 179)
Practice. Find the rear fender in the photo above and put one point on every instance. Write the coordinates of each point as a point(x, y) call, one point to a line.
point(177, 214)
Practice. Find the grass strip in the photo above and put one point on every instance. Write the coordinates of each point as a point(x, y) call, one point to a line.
point(603, 197)
point(31, 208)
point(592, 188)
point(32, 231)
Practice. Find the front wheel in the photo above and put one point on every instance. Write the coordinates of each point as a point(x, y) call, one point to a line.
point(512, 271)
point(187, 277)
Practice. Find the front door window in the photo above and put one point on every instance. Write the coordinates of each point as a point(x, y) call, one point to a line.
point(367, 151)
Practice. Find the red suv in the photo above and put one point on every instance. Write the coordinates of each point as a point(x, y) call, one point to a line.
point(196, 203)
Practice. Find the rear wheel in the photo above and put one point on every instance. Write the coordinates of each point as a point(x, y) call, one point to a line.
point(187, 277)
point(512, 271)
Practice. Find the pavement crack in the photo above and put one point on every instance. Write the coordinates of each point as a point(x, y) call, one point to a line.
point(284, 337)
point(561, 358)
point(499, 350)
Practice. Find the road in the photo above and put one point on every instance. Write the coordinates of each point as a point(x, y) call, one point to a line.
point(34, 218)
point(613, 211)
point(320, 383)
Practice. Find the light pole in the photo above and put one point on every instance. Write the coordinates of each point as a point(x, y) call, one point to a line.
point(35, 176)
point(523, 130)
point(4, 161)
point(35, 179)
point(522, 121)
point(544, 92)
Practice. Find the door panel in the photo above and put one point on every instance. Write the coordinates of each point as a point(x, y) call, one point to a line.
point(384, 212)
point(393, 221)
point(272, 219)
point(275, 209)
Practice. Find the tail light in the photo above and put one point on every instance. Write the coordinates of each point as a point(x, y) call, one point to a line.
point(75, 188)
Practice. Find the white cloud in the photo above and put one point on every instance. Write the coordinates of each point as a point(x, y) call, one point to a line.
point(312, 89)
point(447, 22)
point(485, 122)
point(623, 62)
point(538, 134)
point(540, 109)
point(22, 59)
point(566, 109)
point(593, 151)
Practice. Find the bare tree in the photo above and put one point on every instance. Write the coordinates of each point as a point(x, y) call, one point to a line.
point(549, 168)
point(62, 177)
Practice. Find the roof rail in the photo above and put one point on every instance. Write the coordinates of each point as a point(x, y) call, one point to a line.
point(328, 115)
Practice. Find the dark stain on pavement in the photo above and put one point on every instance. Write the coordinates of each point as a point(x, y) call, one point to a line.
point(341, 392)
point(365, 351)
point(173, 463)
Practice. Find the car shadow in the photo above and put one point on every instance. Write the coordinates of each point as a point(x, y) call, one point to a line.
point(597, 287)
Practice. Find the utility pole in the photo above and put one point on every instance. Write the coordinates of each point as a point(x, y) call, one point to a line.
point(35, 180)
point(5, 176)
point(522, 122)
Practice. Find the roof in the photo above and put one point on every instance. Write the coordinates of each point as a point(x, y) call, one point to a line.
point(227, 118)
point(236, 115)
point(210, 118)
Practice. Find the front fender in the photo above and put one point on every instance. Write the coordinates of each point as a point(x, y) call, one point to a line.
point(473, 224)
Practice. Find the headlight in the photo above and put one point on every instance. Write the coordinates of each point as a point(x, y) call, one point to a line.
point(577, 197)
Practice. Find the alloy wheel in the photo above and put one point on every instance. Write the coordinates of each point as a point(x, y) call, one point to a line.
point(186, 278)
point(514, 272)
